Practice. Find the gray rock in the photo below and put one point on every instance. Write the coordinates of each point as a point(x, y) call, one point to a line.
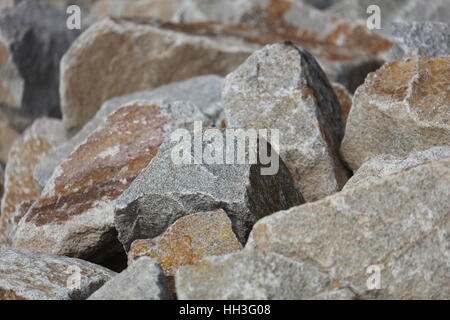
point(143, 280)
point(28, 275)
point(335, 294)
point(431, 39)
point(399, 225)
point(37, 37)
point(282, 87)
point(402, 108)
point(386, 165)
point(167, 190)
point(202, 91)
point(249, 275)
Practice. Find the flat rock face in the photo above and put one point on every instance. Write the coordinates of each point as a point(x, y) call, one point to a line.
point(399, 224)
point(36, 37)
point(430, 39)
point(386, 165)
point(188, 240)
point(143, 280)
point(402, 108)
point(249, 275)
point(74, 215)
point(202, 91)
point(144, 55)
point(28, 275)
point(35, 143)
point(170, 187)
point(282, 87)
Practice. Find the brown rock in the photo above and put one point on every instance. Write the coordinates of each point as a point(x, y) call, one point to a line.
point(7, 136)
point(345, 100)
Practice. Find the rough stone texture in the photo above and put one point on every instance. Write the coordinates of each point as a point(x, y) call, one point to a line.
point(202, 91)
point(282, 87)
point(7, 136)
point(345, 100)
point(335, 294)
point(402, 108)
point(11, 82)
point(36, 36)
point(162, 9)
point(400, 223)
point(74, 215)
point(35, 143)
point(188, 240)
point(28, 275)
point(386, 165)
point(132, 55)
point(166, 190)
point(143, 280)
point(430, 39)
point(249, 275)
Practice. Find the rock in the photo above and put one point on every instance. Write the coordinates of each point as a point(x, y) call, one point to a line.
point(144, 55)
point(2, 181)
point(398, 225)
point(170, 187)
point(249, 275)
point(74, 215)
point(36, 37)
point(345, 100)
point(282, 87)
point(202, 91)
point(322, 4)
point(187, 241)
point(402, 108)
point(28, 275)
point(35, 143)
point(143, 280)
point(7, 136)
point(11, 82)
point(386, 165)
point(431, 39)
point(335, 294)
point(162, 9)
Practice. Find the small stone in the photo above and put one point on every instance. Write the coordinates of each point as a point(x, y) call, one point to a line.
point(398, 225)
point(74, 215)
point(143, 280)
point(282, 87)
point(187, 241)
point(167, 190)
point(249, 275)
point(35, 143)
point(402, 108)
point(386, 165)
point(28, 275)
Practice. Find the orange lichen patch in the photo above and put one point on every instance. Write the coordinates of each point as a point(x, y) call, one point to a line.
point(345, 102)
point(105, 165)
point(188, 240)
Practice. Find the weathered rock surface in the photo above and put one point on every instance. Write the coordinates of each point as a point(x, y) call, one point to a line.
point(35, 143)
point(335, 294)
point(74, 215)
point(345, 100)
point(402, 108)
point(36, 37)
point(172, 187)
point(430, 39)
point(386, 165)
point(162, 9)
point(28, 275)
point(249, 275)
point(7, 136)
point(187, 241)
point(143, 280)
point(11, 82)
point(202, 91)
point(141, 54)
point(399, 223)
point(282, 87)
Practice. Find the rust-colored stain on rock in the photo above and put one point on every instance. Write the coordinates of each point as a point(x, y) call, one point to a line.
point(104, 166)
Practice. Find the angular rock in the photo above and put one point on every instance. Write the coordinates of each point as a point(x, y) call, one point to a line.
point(202, 91)
point(188, 240)
point(35, 143)
point(345, 100)
point(430, 39)
point(170, 187)
point(282, 87)
point(28, 275)
point(249, 275)
point(36, 37)
point(144, 55)
point(143, 280)
point(400, 224)
point(386, 165)
point(402, 108)
point(74, 215)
